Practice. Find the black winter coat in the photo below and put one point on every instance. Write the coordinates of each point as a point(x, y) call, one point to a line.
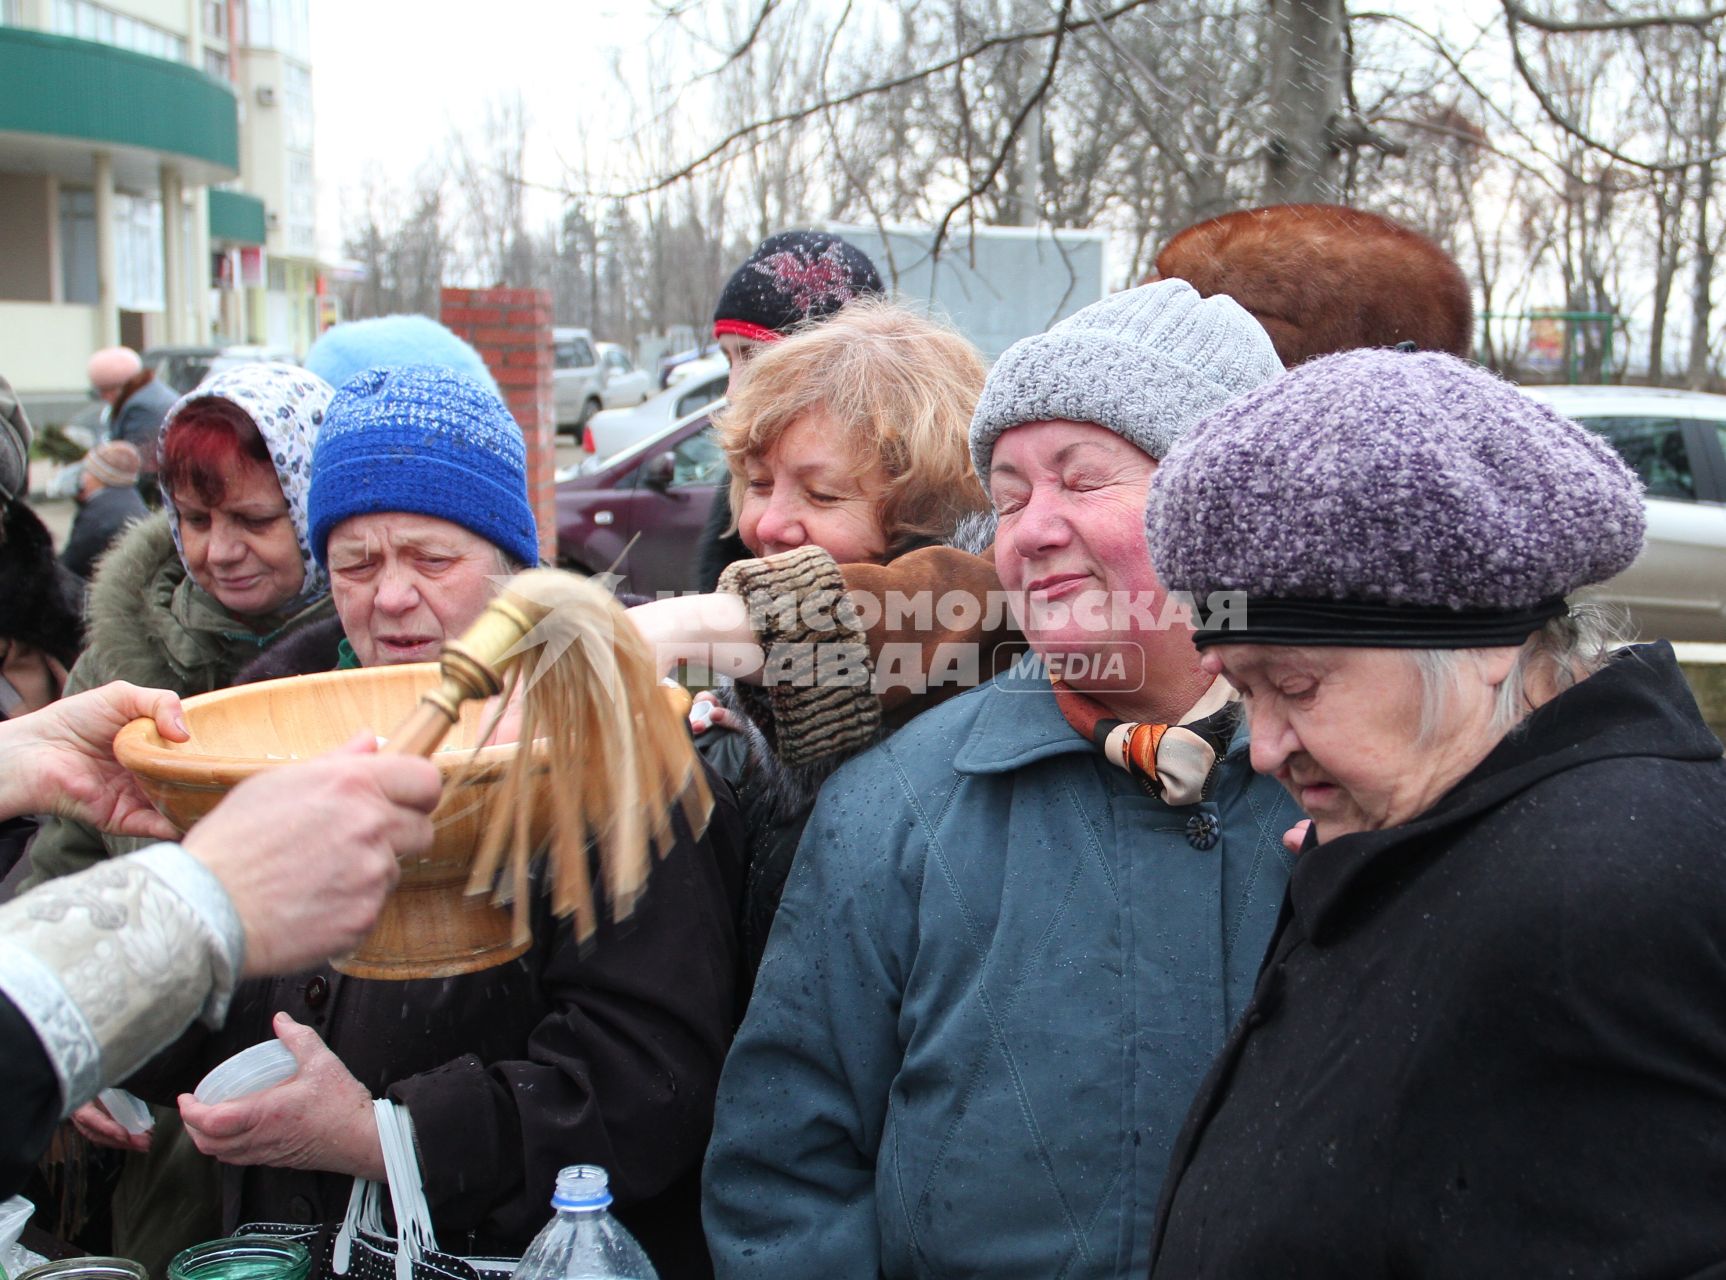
point(32, 1093)
point(1491, 1041)
point(101, 518)
point(606, 1054)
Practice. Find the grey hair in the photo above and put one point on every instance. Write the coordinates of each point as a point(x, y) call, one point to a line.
point(1566, 650)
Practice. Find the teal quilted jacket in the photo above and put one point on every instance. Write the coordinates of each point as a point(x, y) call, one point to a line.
point(996, 980)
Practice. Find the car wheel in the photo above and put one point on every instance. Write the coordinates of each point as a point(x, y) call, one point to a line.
point(587, 411)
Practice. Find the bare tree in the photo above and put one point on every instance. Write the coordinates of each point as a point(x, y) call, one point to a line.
point(403, 246)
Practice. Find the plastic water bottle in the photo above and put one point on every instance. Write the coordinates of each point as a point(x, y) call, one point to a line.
point(584, 1242)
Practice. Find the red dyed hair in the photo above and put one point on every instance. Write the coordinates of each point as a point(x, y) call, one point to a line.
point(208, 438)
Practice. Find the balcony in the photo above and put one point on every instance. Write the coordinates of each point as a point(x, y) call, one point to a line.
point(66, 99)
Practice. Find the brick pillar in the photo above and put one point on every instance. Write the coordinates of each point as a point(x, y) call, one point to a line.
point(511, 329)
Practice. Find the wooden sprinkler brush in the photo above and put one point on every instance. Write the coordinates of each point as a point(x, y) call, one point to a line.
point(595, 717)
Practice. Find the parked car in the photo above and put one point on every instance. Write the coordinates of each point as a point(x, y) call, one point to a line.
point(640, 513)
point(1676, 442)
point(578, 378)
point(700, 367)
point(677, 359)
point(183, 368)
point(625, 385)
point(615, 430)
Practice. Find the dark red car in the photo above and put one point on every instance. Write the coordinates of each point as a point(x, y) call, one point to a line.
point(640, 513)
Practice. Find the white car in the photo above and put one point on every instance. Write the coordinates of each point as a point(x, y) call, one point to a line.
point(612, 430)
point(1676, 442)
point(577, 377)
point(625, 385)
point(699, 368)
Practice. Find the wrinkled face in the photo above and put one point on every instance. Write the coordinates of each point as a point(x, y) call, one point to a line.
point(243, 550)
point(1341, 728)
point(1070, 547)
point(403, 584)
point(809, 489)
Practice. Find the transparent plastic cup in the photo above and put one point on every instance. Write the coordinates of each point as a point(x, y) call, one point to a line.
point(129, 1112)
point(253, 1070)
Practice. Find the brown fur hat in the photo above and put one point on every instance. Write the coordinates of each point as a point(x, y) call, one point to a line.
point(1323, 278)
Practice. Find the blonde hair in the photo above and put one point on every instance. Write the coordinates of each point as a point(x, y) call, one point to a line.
point(897, 387)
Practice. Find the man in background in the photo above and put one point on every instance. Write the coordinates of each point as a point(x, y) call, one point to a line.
point(108, 501)
point(137, 403)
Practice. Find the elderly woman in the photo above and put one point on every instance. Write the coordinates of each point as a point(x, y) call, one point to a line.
point(846, 443)
point(182, 602)
point(1319, 278)
point(187, 599)
point(1488, 1037)
point(792, 280)
point(1018, 929)
point(606, 1054)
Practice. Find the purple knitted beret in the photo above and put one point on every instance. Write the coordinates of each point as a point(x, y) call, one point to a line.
point(1411, 480)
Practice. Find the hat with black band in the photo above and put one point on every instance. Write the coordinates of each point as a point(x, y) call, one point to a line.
point(1385, 499)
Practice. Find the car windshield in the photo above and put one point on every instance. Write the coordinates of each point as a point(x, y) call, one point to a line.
point(184, 372)
point(659, 440)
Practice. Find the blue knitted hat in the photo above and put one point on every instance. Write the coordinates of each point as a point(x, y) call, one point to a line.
point(388, 341)
point(429, 441)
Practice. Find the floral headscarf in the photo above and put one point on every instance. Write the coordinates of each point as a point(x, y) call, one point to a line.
point(286, 403)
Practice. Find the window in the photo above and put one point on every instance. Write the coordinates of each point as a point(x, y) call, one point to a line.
point(1654, 449)
point(216, 19)
point(615, 359)
point(283, 25)
point(297, 107)
point(216, 63)
point(702, 396)
point(89, 21)
point(699, 460)
point(78, 246)
point(138, 250)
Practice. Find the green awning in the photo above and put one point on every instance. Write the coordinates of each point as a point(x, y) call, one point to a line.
point(59, 87)
point(236, 217)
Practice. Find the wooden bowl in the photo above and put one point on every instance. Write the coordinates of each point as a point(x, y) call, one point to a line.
point(430, 926)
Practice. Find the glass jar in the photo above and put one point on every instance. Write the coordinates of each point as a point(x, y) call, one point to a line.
point(242, 1258)
point(86, 1269)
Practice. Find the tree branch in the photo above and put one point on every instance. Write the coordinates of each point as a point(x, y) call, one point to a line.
point(881, 86)
point(1564, 122)
point(1561, 26)
point(1018, 123)
point(748, 41)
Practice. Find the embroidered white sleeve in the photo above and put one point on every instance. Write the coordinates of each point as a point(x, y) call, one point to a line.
point(111, 964)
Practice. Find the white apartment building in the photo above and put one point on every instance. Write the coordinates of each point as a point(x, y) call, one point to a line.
point(156, 180)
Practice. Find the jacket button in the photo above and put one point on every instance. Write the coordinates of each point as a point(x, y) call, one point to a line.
point(317, 991)
point(1202, 830)
point(301, 1208)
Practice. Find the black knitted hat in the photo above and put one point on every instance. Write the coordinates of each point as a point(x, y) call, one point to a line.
point(792, 277)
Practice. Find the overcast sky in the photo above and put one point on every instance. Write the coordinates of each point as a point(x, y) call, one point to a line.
point(390, 78)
